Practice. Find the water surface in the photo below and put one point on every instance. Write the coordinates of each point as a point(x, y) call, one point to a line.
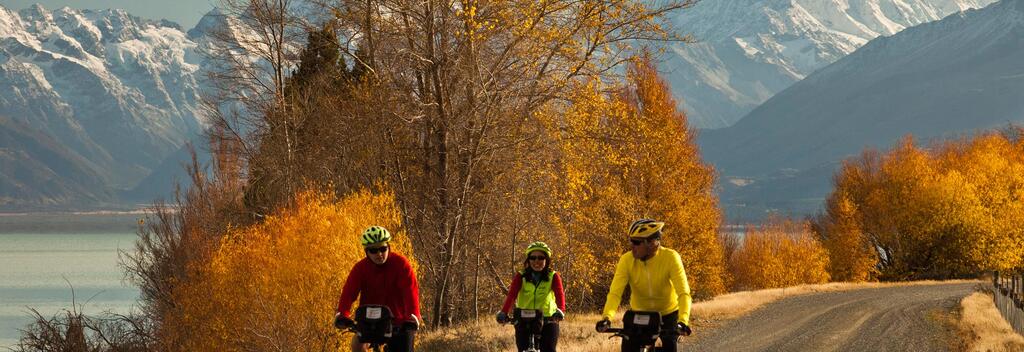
point(42, 257)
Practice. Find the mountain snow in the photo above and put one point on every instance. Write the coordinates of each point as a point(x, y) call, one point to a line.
point(749, 50)
point(123, 92)
point(939, 80)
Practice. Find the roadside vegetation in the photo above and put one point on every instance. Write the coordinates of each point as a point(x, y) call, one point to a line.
point(779, 253)
point(983, 327)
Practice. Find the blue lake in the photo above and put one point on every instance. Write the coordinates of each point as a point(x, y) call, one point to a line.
point(42, 257)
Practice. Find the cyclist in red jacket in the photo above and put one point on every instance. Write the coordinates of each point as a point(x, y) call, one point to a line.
point(384, 278)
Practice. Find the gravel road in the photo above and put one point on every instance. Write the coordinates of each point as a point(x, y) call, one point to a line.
point(904, 318)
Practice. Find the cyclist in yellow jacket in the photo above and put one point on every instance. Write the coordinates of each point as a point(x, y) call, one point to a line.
point(657, 283)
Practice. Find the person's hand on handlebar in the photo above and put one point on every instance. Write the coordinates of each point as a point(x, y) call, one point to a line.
point(413, 323)
point(502, 318)
point(343, 322)
point(558, 316)
point(603, 325)
point(684, 329)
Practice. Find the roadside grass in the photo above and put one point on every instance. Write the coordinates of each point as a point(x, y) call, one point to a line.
point(983, 328)
point(956, 337)
point(577, 331)
point(484, 335)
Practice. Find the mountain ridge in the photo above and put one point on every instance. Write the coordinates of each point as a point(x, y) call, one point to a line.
point(67, 179)
point(101, 80)
point(749, 50)
point(944, 79)
point(122, 93)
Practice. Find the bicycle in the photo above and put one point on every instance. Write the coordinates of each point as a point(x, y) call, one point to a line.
point(534, 321)
point(644, 327)
point(373, 325)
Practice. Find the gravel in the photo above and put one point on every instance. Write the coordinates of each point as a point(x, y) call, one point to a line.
point(902, 318)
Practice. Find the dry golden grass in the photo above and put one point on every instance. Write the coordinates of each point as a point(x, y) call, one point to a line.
point(985, 328)
point(484, 335)
point(577, 332)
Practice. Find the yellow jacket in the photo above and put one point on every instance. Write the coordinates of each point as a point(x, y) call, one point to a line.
point(657, 284)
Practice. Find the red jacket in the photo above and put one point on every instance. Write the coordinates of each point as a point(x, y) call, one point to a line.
point(392, 284)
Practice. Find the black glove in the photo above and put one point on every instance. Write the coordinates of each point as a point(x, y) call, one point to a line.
point(502, 318)
point(603, 325)
point(684, 329)
point(412, 324)
point(558, 315)
point(341, 322)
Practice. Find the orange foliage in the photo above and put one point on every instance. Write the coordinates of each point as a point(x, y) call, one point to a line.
point(630, 156)
point(852, 258)
point(274, 286)
point(952, 210)
point(671, 180)
point(779, 254)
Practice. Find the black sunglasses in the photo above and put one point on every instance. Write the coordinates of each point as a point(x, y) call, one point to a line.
point(537, 257)
point(637, 242)
point(377, 250)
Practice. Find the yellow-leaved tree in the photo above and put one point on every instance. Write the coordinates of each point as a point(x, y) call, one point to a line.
point(631, 155)
point(852, 258)
point(669, 180)
point(439, 103)
point(951, 210)
point(779, 254)
point(987, 173)
point(593, 209)
point(275, 285)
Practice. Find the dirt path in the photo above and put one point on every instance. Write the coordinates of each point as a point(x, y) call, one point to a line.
point(905, 318)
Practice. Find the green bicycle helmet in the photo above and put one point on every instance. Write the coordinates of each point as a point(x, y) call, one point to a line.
point(374, 235)
point(538, 246)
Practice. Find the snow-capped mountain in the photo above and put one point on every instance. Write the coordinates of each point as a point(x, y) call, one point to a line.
point(107, 96)
point(93, 102)
point(941, 79)
point(119, 91)
point(749, 50)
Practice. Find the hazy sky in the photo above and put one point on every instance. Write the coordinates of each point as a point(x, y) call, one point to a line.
point(185, 12)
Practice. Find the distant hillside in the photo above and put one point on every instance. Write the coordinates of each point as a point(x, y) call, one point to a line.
point(941, 79)
point(160, 184)
point(37, 172)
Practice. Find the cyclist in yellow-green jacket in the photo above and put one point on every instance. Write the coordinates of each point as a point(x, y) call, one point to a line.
point(657, 283)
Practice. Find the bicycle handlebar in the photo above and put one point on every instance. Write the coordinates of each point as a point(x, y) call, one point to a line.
point(394, 328)
point(514, 322)
point(618, 331)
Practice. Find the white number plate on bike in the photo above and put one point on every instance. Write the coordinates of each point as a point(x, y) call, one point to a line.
point(642, 319)
point(528, 314)
point(373, 313)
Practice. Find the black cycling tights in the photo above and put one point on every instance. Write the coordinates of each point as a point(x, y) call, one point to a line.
point(668, 339)
point(548, 337)
point(402, 340)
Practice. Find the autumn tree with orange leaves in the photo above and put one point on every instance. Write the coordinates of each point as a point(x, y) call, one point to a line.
point(481, 119)
point(951, 210)
point(630, 155)
point(779, 253)
point(273, 285)
point(442, 110)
